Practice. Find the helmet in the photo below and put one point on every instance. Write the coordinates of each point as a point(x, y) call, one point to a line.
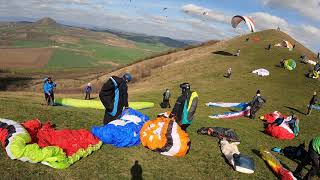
point(185, 86)
point(127, 77)
point(89, 84)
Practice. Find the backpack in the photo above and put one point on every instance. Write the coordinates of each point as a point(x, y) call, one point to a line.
point(189, 108)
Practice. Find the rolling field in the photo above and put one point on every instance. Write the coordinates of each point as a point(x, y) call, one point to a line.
point(285, 91)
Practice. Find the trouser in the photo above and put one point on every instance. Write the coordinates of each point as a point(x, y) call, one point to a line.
point(108, 118)
point(49, 98)
point(253, 111)
point(312, 157)
point(87, 96)
point(309, 109)
point(228, 75)
point(166, 103)
point(184, 127)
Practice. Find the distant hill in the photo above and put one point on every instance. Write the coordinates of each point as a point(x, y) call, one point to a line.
point(150, 39)
point(46, 22)
point(75, 47)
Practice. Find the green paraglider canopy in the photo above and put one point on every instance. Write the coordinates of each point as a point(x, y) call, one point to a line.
point(290, 64)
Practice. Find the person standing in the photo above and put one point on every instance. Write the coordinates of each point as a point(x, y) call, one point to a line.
point(48, 89)
point(166, 99)
point(313, 157)
point(114, 97)
point(312, 102)
point(185, 107)
point(238, 53)
point(318, 56)
point(269, 46)
point(256, 104)
point(88, 91)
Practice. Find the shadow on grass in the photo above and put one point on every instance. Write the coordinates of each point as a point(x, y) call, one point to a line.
point(136, 171)
point(223, 53)
point(13, 82)
point(295, 110)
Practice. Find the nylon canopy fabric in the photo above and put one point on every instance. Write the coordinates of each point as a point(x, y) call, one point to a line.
point(220, 132)
point(290, 64)
point(57, 149)
point(236, 20)
point(276, 166)
point(79, 103)
point(124, 132)
point(163, 135)
point(245, 110)
point(261, 72)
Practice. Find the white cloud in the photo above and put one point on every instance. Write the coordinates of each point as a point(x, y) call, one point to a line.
point(201, 12)
point(268, 21)
point(308, 8)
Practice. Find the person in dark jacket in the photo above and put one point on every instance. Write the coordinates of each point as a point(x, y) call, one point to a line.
point(185, 107)
point(318, 56)
point(313, 157)
point(166, 99)
point(114, 97)
point(269, 46)
point(48, 88)
point(256, 104)
point(312, 102)
point(88, 91)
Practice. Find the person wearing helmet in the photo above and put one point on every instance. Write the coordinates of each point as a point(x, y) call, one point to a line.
point(256, 104)
point(114, 96)
point(48, 88)
point(185, 107)
point(88, 91)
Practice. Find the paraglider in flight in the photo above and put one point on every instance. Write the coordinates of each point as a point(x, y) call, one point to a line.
point(205, 13)
point(236, 20)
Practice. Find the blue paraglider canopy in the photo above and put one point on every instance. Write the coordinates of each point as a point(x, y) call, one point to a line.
point(123, 132)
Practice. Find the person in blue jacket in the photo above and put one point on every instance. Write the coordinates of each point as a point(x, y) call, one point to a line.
point(88, 91)
point(114, 97)
point(48, 89)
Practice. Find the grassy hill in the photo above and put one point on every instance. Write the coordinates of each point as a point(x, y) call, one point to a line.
point(203, 67)
point(72, 44)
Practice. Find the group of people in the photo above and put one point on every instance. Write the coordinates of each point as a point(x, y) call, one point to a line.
point(114, 97)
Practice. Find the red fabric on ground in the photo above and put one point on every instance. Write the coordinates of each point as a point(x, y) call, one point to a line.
point(3, 136)
point(271, 117)
point(32, 126)
point(278, 132)
point(69, 140)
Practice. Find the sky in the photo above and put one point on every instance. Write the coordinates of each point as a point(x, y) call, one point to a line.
point(198, 20)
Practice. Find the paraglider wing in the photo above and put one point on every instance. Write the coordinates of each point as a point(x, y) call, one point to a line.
point(236, 20)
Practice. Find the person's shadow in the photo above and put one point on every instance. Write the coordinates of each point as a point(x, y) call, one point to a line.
point(136, 171)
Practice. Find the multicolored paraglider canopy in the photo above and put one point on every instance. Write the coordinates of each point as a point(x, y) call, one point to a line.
point(236, 20)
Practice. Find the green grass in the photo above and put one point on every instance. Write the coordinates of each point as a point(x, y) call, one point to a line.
point(32, 44)
point(204, 161)
point(153, 47)
point(116, 54)
point(69, 59)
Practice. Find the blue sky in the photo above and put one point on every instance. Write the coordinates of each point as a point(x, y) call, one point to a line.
point(183, 19)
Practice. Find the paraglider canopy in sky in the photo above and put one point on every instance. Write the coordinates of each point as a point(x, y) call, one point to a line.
point(236, 20)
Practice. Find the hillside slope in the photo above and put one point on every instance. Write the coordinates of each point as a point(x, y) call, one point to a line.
point(204, 67)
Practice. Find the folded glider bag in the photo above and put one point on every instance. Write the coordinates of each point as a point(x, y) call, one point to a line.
point(220, 132)
point(79, 103)
point(276, 166)
point(56, 148)
point(124, 132)
point(163, 135)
